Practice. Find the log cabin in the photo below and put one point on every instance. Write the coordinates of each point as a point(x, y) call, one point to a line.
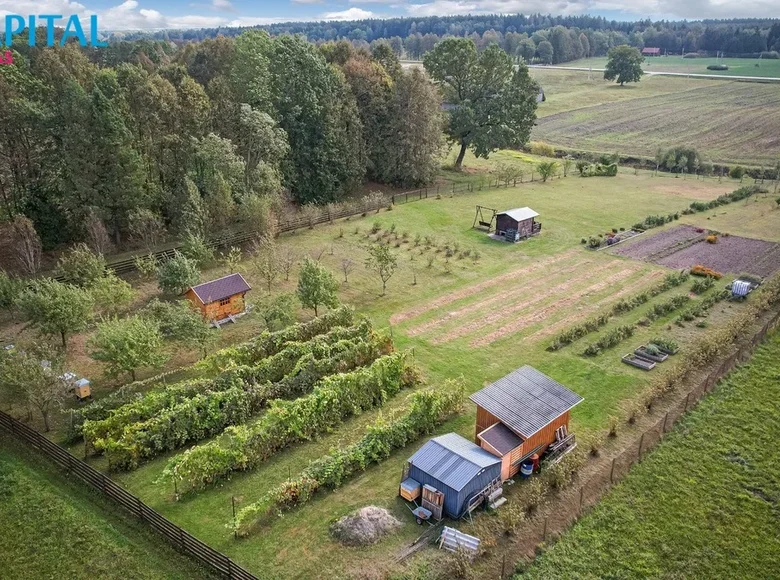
point(220, 299)
point(521, 415)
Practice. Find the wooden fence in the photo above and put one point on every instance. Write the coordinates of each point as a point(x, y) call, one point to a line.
point(180, 539)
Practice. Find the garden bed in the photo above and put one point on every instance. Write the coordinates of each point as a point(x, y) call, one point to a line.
point(660, 242)
point(640, 363)
point(730, 254)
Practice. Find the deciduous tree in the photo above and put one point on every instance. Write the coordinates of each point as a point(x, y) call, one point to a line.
point(176, 275)
point(56, 308)
point(624, 64)
point(80, 266)
point(126, 345)
point(382, 261)
point(316, 286)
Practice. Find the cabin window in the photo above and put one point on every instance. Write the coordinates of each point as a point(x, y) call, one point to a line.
point(224, 302)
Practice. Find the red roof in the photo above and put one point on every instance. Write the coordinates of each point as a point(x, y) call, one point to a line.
point(651, 50)
point(220, 288)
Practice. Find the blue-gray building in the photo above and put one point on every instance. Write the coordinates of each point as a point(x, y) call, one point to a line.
point(456, 467)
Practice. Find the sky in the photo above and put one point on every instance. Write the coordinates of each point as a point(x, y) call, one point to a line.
point(148, 14)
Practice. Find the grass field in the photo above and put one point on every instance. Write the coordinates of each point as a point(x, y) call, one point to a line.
point(703, 505)
point(477, 320)
point(56, 528)
point(726, 121)
point(744, 67)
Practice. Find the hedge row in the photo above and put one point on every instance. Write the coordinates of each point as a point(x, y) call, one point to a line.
point(428, 409)
point(334, 399)
point(653, 221)
point(269, 343)
point(610, 339)
point(209, 413)
point(620, 307)
point(271, 369)
point(664, 308)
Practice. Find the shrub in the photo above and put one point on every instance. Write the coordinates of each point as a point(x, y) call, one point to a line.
point(610, 339)
point(583, 241)
point(737, 172)
point(712, 239)
point(542, 149)
point(699, 270)
point(664, 308)
point(717, 67)
point(702, 285)
point(594, 242)
point(176, 275)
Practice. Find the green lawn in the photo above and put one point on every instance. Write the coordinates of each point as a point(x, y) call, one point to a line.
point(703, 505)
point(744, 67)
point(55, 527)
point(452, 343)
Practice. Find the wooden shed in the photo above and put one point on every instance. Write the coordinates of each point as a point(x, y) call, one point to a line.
point(522, 414)
point(220, 299)
point(517, 224)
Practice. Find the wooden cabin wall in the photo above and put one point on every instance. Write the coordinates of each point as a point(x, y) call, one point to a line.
point(543, 437)
point(484, 420)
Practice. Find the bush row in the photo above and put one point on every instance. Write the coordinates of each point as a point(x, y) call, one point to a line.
point(620, 307)
point(209, 413)
point(428, 409)
point(269, 343)
point(701, 285)
point(667, 306)
point(610, 339)
point(334, 399)
point(702, 307)
point(271, 369)
point(653, 221)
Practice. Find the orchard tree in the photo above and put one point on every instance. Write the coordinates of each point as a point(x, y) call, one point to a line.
point(494, 102)
point(316, 286)
point(111, 295)
point(624, 64)
point(278, 312)
point(34, 376)
point(176, 275)
point(266, 262)
point(127, 344)
point(56, 308)
point(179, 322)
point(382, 261)
point(81, 266)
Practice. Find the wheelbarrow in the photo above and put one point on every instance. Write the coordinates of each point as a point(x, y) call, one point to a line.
point(421, 514)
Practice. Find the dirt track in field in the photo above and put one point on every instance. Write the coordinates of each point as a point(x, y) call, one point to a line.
point(471, 290)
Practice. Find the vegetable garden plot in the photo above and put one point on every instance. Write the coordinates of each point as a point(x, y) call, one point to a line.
point(732, 254)
point(655, 243)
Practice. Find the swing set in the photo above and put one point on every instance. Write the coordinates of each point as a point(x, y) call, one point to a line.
point(480, 218)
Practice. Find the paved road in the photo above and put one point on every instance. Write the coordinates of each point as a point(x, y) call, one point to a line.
point(416, 63)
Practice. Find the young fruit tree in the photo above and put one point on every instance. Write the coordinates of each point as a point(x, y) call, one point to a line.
point(316, 286)
point(494, 101)
point(267, 261)
point(80, 266)
point(278, 312)
point(56, 308)
point(127, 344)
point(176, 275)
point(547, 169)
point(382, 261)
point(33, 376)
point(624, 64)
point(178, 322)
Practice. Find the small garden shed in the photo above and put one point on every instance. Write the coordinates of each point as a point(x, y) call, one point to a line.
point(221, 298)
point(456, 467)
point(522, 414)
point(517, 224)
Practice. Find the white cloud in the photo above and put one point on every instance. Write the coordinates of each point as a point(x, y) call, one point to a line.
point(349, 14)
point(224, 5)
point(308, 1)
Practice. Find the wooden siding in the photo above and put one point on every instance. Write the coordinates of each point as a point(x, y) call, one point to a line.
point(484, 420)
point(505, 222)
point(215, 310)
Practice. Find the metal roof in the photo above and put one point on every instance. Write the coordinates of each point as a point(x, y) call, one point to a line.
point(500, 438)
point(220, 288)
point(526, 400)
point(520, 213)
point(453, 460)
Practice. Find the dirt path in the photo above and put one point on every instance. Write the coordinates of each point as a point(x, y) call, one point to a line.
point(572, 320)
point(471, 290)
point(517, 325)
point(506, 297)
point(497, 316)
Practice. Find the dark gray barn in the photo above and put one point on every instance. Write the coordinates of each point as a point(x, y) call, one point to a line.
point(518, 222)
point(457, 467)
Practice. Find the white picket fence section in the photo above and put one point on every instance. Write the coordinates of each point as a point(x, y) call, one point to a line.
point(453, 540)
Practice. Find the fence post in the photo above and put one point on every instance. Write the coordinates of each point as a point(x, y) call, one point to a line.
point(140, 508)
point(641, 442)
point(612, 471)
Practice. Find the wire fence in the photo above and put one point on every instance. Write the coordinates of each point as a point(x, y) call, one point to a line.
point(180, 539)
point(570, 506)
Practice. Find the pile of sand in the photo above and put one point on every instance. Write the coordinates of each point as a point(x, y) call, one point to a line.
point(365, 526)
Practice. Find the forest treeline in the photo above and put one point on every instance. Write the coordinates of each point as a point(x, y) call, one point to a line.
point(413, 37)
point(209, 135)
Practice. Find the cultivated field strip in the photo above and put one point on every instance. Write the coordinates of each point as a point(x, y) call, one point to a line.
point(521, 324)
point(497, 316)
point(502, 297)
point(477, 288)
point(590, 310)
